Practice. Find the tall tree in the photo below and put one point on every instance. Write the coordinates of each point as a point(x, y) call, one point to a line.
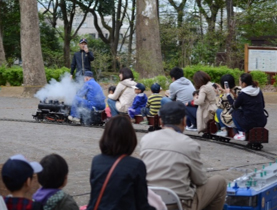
point(117, 11)
point(231, 31)
point(2, 51)
point(149, 57)
point(211, 13)
point(179, 9)
point(33, 68)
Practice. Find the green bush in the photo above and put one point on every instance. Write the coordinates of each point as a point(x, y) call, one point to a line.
point(260, 77)
point(13, 75)
point(55, 73)
point(275, 83)
point(163, 81)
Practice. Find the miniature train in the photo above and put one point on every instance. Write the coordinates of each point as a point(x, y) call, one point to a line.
point(55, 111)
point(254, 191)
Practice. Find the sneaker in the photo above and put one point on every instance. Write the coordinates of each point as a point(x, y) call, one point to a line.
point(222, 133)
point(144, 122)
point(191, 128)
point(73, 119)
point(240, 136)
point(70, 118)
point(133, 120)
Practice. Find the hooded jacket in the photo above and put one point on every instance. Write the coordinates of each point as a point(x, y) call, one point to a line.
point(249, 108)
point(124, 94)
point(55, 199)
point(181, 90)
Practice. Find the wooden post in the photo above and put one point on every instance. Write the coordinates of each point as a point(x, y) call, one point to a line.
point(246, 58)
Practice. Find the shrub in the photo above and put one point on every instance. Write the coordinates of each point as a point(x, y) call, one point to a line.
point(163, 81)
point(260, 77)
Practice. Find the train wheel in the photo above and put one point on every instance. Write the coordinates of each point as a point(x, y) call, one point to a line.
point(206, 136)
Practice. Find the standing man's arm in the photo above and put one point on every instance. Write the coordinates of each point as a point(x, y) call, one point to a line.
point(89, 53)
point(73, 65)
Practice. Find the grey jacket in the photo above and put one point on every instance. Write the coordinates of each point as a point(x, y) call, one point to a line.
point(181, 90)
point(172, 160)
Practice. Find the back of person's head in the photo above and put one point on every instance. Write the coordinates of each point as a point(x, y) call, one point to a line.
point(230, 79)
point(176, 73)
point(111, 88)
point(126, 73)
point(17, 170)
point(200, 78)
point(173, 113)
point(248, 80)
point(119, 137)
point(195, 93)
point(55, 170)
point(155, 88)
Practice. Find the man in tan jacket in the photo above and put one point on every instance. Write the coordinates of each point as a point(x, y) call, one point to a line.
point(173, 160)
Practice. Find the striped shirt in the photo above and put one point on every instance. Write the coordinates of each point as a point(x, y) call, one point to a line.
point(154, 103)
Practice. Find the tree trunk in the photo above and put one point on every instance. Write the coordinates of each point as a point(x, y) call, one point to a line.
point(132, 31)
point(149, 56)
point(66, 47)
point(33, 69)
point(231, 32)
point(2, 50)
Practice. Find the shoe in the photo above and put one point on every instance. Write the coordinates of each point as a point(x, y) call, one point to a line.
point(133, 120)
point(73, 119)
point(240, 136)
point(144, 122)
point(222, 133)
point(191, 128)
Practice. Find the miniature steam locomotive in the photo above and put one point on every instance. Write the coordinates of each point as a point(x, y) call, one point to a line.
point(58, 112)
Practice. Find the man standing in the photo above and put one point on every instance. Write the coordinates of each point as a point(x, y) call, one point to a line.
point(90, 97)
point(81, 59)
point(173, 160)
point(180, 89)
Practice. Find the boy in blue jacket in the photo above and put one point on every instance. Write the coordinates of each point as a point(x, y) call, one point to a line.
point(139, 101)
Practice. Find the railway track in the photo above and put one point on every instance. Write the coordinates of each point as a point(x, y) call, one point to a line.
point(265, 154)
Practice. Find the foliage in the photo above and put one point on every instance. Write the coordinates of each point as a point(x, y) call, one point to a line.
point(163, 81)
point(275, 78)
point(13, 75)
point(260, 77)
point(55, 73)
point(10, 18)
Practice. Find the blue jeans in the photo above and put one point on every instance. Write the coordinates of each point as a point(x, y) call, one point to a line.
point(113, 109)
point(145, 111)
point(237, 125)
point(79, 105)
point(191, 114)
point(165, 100)
point(218, 113)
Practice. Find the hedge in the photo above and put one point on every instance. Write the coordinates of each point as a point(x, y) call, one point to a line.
point(14, 75)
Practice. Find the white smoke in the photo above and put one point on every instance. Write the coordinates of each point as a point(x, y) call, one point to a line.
point(65, 90)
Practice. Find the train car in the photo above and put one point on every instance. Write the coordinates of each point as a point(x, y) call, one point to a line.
point(254, 191)
point(254, 138)
point(55, 111)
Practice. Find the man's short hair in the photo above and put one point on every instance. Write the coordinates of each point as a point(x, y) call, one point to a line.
point(176, 73)
point(173, 113)
point(16, 170)
point(55, 170)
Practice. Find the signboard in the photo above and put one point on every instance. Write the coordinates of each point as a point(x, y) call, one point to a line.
point(263, 60)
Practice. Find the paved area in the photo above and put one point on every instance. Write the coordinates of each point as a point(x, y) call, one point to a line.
point(79, 144)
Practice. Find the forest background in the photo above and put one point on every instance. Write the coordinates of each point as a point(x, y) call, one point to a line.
point(194, 35)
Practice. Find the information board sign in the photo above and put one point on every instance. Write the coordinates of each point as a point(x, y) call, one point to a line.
point(263, 60)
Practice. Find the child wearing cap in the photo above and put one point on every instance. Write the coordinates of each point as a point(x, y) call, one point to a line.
point(139, 101)
point(52, 179)
point(193, 109)
point(153, 104)
point(17, 175)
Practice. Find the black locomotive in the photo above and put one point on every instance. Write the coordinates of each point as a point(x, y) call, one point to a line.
point(58, 112)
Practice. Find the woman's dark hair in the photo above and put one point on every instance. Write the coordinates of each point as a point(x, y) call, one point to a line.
point(177, 73)
point(126, 73)
point(119, 137)
point(229, 78)
point(200, 78)
point(55, 170)
point(247, 79)
point(111, 88)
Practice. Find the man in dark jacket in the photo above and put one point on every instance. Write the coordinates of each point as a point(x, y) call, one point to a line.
point(81, 60)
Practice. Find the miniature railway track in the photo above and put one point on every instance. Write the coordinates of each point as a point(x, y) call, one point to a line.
point(265, 154)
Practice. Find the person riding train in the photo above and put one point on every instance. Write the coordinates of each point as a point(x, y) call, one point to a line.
point(248, 106)
point(224, 112)
point(90, 97)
